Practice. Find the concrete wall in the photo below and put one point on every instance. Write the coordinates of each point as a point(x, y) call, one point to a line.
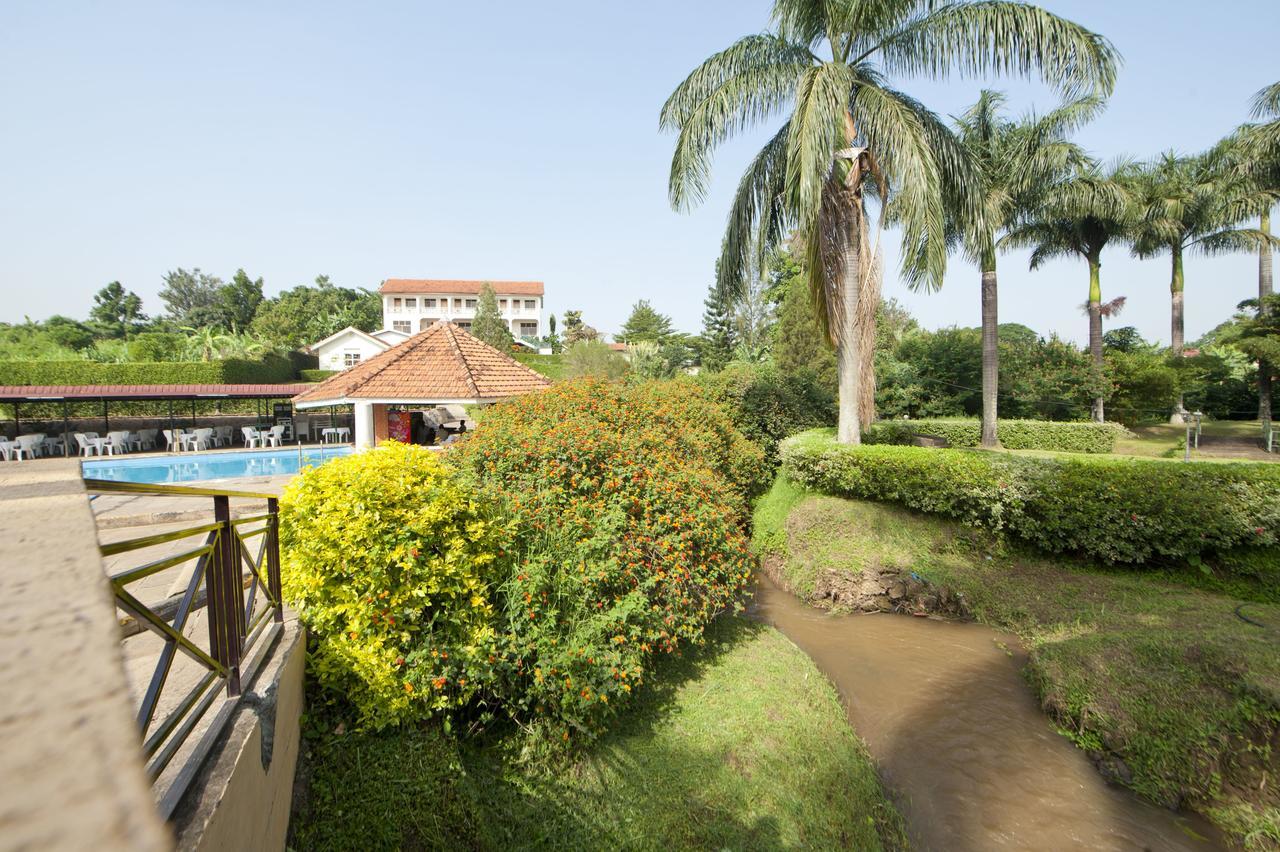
point(70, 761)
point(242, 799)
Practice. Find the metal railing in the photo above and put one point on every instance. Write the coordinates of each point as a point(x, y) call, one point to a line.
point(240, 593)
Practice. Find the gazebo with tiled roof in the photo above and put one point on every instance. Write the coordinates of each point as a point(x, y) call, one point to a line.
point(442, 365)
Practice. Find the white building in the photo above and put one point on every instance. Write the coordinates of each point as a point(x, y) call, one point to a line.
point(411, 305)
point(352, 346)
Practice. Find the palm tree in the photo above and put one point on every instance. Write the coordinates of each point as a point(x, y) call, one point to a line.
point(1257, 149)
point(1080, 216)
point(848, 134)
point(1012, 163)
point(1193, 204)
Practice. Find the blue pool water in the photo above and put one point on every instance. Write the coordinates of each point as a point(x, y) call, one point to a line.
point(190, 467)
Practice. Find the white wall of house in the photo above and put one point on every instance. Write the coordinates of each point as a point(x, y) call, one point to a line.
point(413, 312)
point(346, 350)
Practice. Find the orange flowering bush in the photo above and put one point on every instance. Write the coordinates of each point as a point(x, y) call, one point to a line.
point(627, 503)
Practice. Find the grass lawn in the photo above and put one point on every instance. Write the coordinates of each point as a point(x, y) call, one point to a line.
point(551, 366)
point(742, 745)
point(1155, 673)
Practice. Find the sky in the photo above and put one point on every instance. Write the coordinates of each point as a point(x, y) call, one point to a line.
point(498, 140)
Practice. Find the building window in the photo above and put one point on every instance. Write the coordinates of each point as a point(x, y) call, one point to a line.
point(411, 304)
point(402, 325)
point(463, 324)
point(428, 303)
point(457, 303)
point(528, 329)
point(350, 358)
point(530, 304)
point(502, 303)
point(471, 303)
point(397, 304)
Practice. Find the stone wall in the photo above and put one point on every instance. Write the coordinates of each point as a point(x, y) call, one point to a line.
point(71, 761)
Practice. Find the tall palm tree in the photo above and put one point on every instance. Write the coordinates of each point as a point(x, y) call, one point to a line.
point(1079, 217)
point(1012, 162)
point(1193, 204)
point(1258, 148)
point(849, 135)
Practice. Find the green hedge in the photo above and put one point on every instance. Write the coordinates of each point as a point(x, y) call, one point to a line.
point(270, 370)
point(1113, 509)
point(315, 375)
point(1013, 434)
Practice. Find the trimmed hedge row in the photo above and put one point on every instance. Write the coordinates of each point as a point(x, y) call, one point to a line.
point(1014, 434)
point(270, 370)
point(315, 375)
point(1116, 510)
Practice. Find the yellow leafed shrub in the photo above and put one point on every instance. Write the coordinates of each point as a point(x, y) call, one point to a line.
point(389, 561)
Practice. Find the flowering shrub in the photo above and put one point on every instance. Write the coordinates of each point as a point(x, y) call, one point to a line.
point(388, 559)
point(1117, 510)
point(628, 502)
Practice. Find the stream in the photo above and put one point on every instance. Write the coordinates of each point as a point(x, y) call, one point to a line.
point(960, 741)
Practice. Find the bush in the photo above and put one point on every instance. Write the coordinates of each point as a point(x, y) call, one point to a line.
point(269, 370)
point(389, 560)
point(315, 375)
point(1117, 510)
point(593, 358)
point(1013, 434)
point(628, 502)
point(767, 405)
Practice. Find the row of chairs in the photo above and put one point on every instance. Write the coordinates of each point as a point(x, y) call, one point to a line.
point(39, 444)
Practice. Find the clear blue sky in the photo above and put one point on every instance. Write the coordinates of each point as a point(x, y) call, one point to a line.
point(495, 140)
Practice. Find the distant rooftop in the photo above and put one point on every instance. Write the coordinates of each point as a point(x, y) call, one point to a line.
point(448, 286)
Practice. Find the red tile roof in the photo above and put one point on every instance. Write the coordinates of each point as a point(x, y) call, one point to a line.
point(440, 364)
point(59, 392)
point(441, 286)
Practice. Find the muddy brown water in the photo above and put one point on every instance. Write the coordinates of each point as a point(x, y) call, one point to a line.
point(961, 742)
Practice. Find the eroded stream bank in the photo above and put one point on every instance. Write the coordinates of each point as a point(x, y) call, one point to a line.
point(960, 740)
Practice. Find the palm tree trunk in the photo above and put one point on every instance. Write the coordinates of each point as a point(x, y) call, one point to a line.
point(990, 350)
point(849, 354)
point(1095, 334)
point(1176, 332)
point(868, 309)
point(1264, 290)
point(1175, 291)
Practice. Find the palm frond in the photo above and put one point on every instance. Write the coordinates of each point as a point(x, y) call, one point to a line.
point(758, 218)
point(984, 37)
point(817, 132)
point(733, 90)
point(1266, 103)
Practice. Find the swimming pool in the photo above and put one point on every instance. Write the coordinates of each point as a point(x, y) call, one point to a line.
point(191, 467)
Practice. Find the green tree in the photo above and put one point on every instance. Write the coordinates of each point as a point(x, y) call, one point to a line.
point(1255, 151)
point(238, 301)
point(553, 339)
point(192, 298)
point(116, 312)
point(488, 324)
point(593, 358)
point(645, 324)
point(718, 337)
point(848, 133)
point(303, 315)
point(575, 330)
point(1079, 217)
point(1012, 163)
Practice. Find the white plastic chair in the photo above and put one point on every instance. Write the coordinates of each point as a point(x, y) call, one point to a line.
point(201, 439)
point(172, 438)
point(6, 449)
point(117, 443)
point(147, 438)
point(275, 435)
point(251, 437)
point(28, 446)
point(87, 447)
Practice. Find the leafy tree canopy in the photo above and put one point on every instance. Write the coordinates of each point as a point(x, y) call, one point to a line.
point(646, 324)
